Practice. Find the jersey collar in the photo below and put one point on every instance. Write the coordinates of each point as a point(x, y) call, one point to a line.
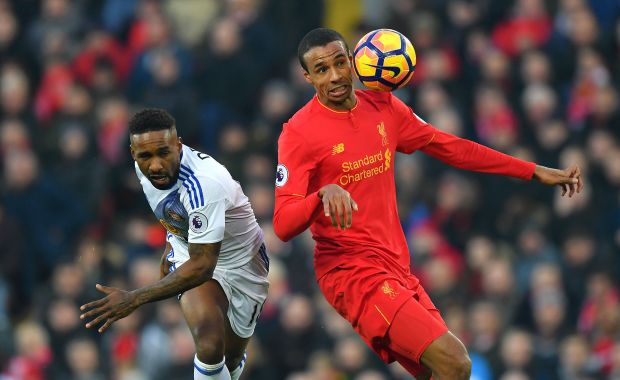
point(325, 110)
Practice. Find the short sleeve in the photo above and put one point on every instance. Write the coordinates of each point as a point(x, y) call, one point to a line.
point(206, 214)
point(413, 132)
point(206, 224)
point(295, 165)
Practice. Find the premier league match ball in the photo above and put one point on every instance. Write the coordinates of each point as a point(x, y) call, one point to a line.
point(384, 60)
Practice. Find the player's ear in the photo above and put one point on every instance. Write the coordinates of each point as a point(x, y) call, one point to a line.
point(133, 153)
point(307, 77)
point(180, 143)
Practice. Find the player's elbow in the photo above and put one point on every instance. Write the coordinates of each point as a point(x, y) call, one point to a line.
point(279, 228)
point(200, 269)
point(204, 274)
point(281, 231)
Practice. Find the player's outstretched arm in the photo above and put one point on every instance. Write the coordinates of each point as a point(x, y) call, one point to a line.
point(568, 179)
point(119, 303)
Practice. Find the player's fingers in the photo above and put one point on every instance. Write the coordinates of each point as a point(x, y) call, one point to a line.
point(92, 313)
point(579, 180)
point(98, 320)
point(339, 213)
point(93, 304)
point(106, 325)
point(348, 213)
point(354, 205)
point(342, 212)
point(572, 188)
point(326, 206)
point(104, 289)
point(563, 189)
point(333, 212)
point(575, 184)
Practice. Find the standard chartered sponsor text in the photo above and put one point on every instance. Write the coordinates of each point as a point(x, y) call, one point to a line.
point(370, 165)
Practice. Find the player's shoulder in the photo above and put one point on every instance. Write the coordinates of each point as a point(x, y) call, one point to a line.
point(201, 169)
point(382, 101)
point(374, 97)
point(196, 159)
point(302, 117)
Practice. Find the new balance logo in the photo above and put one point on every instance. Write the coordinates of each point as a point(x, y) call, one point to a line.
point(338, 148)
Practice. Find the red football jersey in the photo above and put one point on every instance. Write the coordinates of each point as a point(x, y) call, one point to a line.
point(355, 150)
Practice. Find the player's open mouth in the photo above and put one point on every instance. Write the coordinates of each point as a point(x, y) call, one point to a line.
point(338, 91)
point(159, 179)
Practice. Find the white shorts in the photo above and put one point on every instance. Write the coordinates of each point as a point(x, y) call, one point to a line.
point(246, 289)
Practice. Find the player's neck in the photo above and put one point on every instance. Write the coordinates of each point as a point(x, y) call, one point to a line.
point(347, 105)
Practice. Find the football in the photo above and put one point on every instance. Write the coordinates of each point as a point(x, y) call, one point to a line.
point(384, 60)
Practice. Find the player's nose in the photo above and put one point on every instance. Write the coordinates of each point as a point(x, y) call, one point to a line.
point(335, 75)
point(156, 166)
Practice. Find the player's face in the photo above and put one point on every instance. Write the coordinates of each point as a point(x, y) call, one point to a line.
point(329, 71)
point(158, 154)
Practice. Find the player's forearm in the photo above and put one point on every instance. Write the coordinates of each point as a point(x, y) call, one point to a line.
point(468, 155)
point(189, 275)
point(295, 215)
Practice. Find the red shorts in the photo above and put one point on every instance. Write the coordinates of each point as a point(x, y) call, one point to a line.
point(371, 297)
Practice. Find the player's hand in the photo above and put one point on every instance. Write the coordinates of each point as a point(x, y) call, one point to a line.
point(116, 305)
point(338, 204)
point(568, 179)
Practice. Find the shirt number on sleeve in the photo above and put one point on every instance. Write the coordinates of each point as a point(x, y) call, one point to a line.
point(200, 155)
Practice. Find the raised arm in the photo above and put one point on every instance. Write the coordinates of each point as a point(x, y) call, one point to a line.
point(469, 155)
point(416, 134)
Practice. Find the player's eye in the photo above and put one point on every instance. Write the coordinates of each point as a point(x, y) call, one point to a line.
point(322, 69)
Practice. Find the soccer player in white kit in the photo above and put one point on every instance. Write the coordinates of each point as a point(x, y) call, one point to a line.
point(214, 260)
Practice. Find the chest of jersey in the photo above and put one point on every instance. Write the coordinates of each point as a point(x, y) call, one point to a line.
point(172, 215)
point(359, 150)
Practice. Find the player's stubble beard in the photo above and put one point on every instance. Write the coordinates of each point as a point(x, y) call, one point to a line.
point(171, 177)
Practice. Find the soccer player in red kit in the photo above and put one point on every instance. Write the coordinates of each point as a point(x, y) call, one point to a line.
point(335, 175)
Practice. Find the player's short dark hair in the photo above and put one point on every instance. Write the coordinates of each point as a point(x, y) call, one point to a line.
point(149, 120)
point(317, 37)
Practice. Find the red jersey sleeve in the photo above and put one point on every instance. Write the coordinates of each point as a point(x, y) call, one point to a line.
point(416, 134)
point(295, 209)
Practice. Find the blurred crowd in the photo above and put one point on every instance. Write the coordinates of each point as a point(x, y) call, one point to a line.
point(527, 279)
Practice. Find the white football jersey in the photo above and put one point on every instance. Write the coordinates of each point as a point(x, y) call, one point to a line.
point(205, 205)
